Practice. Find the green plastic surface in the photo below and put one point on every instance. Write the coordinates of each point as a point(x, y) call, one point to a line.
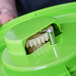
point(43, 62)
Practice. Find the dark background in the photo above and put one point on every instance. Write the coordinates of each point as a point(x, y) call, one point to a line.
point(26, 6)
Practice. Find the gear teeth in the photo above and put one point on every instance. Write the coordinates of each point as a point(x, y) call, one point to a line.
point(46, 37)
point(42, 40)
point(38, 41)
point(30, 42)
point(34, 42)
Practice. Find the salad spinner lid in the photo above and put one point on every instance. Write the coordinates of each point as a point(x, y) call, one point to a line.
point(16, 37)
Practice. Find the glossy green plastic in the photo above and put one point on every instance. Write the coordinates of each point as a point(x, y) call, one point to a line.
point(48, 60)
